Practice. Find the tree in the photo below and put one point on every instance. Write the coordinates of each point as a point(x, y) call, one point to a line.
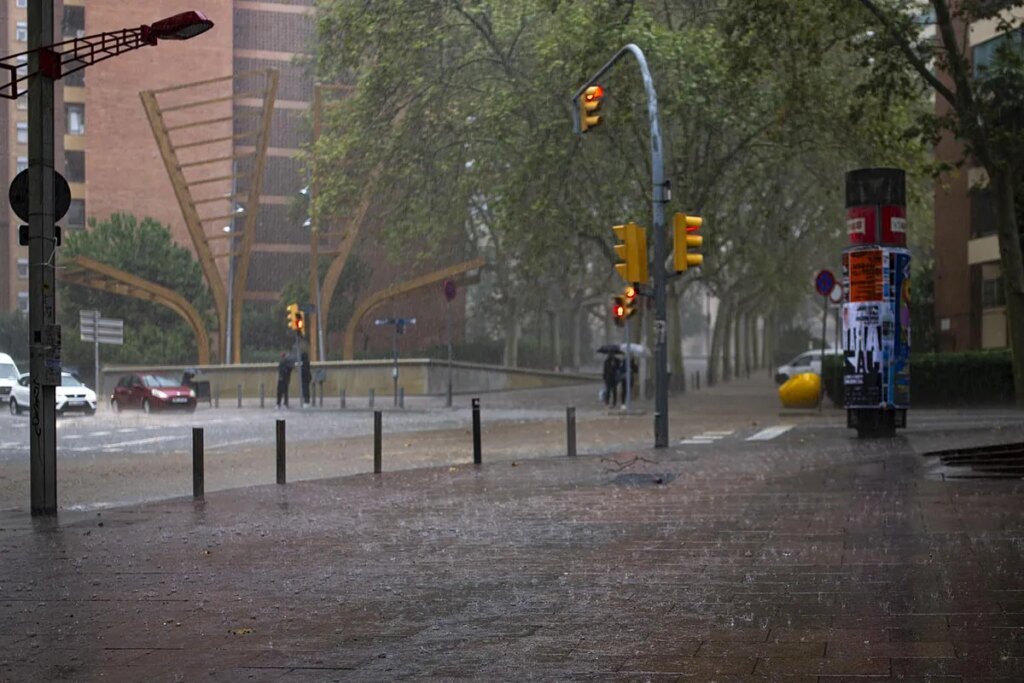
point(154, 335)
point(983, 108)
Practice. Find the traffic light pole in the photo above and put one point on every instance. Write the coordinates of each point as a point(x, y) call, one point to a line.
point(660, 197)
point(44, 340)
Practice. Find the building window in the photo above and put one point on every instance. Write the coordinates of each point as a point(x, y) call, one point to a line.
point(21, 31)
point(75, 79)
point(992, 294)
point(22, 268)
point(983, 54)
point(983, 212)
point(22, 102)
point(21, 3)
point(22, 61)
point(22, 164)
point(73, 25)
point(75, 119)
point(22, 132)
point(74, 166)
point(23, 302)
point(76, 214)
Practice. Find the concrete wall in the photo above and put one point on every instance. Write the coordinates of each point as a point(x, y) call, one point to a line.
point(418, 376)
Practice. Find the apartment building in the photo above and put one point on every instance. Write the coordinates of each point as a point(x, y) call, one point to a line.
point(970, 302)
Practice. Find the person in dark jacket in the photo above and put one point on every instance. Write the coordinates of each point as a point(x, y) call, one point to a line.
point(610, 374)
point(634, 370)
point(284, 377)
point(306, 374)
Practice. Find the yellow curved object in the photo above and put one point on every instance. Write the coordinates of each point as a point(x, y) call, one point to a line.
point(801, 391)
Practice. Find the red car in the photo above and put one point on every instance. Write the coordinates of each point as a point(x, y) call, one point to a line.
point(151, 393)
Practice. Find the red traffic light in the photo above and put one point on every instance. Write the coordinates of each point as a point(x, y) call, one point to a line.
point(619, 310)
point(594, 93)
point(630, 293)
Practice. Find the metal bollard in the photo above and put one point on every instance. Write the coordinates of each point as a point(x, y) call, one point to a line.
point(216, 397)
point(401, 397)
point(312, 394)
point(570, 431)
point(477, 458)
point(239, 391)
point(321, 383)
point(378, 428)
point(280, 452)
point(262, 394)
point(198, 484)
point(342, 397)
point(372, 396)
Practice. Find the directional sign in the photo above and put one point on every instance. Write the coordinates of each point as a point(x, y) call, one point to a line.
point(824, 281)
point(101, 330)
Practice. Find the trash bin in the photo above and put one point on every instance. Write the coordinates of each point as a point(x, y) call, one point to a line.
point(801, 391)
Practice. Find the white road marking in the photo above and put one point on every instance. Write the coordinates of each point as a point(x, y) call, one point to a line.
point(127, 430)
point(770, 433)
point(123, 444)
point(708, 437)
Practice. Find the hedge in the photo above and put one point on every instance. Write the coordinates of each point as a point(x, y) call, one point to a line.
point(968, 379)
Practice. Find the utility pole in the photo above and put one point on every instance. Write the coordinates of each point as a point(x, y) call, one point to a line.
point(44, 335)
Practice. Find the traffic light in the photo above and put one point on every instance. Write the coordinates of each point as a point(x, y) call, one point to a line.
point(300, 323)
point(629, 295)
point(590, 102)
point(293, 314)
point(685, 238)
point(619, 310)
point(632, 250)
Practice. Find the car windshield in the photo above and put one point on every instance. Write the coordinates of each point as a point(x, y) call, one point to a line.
point(8, 371)
point(67, 380)
point(158, 381)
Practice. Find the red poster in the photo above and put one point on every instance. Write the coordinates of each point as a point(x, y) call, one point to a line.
point(866, 275)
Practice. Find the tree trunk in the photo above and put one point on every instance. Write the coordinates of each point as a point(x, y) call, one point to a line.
point(1012, 262)
point(737, 344)
point(755, 345)
point(556, 331)
point(510, 354)
point(727, 320)
point(576, 318)
point(675, 343)
point(715, 349)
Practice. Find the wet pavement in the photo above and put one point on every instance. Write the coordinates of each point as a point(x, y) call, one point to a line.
point(806, 555)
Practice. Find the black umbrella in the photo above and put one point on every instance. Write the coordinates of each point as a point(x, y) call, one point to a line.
point(609, 348)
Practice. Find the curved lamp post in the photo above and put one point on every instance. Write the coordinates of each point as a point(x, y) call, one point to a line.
point(47, 62)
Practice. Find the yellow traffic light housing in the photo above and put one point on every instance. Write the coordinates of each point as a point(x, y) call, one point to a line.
point(293, 315)
point(632, 251)
point(684, 236)
point(300, 324)
point(629, 297)
point(590, 103)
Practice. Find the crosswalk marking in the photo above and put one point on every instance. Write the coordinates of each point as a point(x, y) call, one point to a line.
point(707, 437)
point(770, 433)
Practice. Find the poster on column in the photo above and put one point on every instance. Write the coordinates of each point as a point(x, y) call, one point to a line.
point(862, 349)
point(899, 371)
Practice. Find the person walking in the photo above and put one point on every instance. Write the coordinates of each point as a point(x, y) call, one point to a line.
point(306, 375)
point(634, 370)
point(284, 377)
point(610, 373)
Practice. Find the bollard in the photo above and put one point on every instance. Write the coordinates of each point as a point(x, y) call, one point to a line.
point(342, 398)
point(216, 397)
point(239, 390)
point(697, 380)
point(280, 452)
point(197, 463)
point(378, 428)
point(477, 458)
point(401, 397)
point(570, 431)
point(321, 383)
point(312, 394)
point(372, 396)
point(262, 394)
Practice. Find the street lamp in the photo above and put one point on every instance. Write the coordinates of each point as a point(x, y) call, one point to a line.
point(46, 62)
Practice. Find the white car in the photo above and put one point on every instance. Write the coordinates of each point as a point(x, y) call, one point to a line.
point(808, 361)
point(72, 396)
point(8, 377)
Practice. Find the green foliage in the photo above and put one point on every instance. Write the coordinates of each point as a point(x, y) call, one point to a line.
point(964, 379)
point(14, 337)
point(153, 334)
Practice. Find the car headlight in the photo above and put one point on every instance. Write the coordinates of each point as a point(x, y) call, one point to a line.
point(191, 393)
point(159, 394)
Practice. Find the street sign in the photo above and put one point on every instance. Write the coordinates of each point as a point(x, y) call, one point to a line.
point(18, 196)
point(450, 290)
point(836, 295)
point(824, 281)
point(100, 330)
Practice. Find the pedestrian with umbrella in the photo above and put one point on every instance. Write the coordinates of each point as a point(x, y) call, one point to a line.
point(610, 374)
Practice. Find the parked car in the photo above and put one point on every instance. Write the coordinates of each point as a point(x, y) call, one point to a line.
point(8, 377)
point(152, 393)
point(808, 361)
point(72, 396)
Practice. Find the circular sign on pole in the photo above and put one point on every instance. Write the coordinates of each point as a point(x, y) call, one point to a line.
point(449, 290)
point(824, 281)
point(836, 295)
point(18, 196)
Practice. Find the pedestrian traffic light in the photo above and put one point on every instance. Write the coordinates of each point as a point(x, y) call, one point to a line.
point(632, 250)
point(590, 103)
point(293, 314)
point(300, 323)
point(685, 238)
point(629, 296)
point(619, 310)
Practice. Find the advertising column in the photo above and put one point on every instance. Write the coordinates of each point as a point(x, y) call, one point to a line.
point(876, 302)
